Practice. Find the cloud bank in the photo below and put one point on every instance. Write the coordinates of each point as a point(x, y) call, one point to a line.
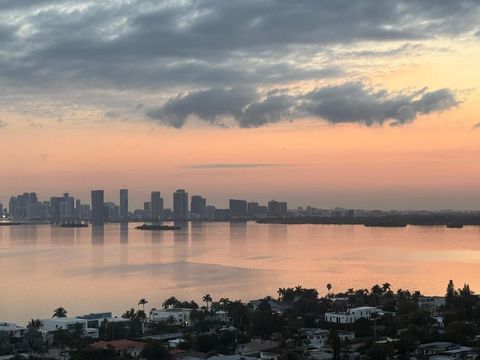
point(347, 103)
point(115, 54)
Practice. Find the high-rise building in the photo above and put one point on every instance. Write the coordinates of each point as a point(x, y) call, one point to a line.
point(156, 204)
point(98, 212)
point(1, 210)
point(252, 209)
point(197, 207)
point(238, 209)
point(277, 208)
point(180, 205)
point(123, 204)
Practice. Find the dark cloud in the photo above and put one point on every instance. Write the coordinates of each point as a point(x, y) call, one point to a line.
point(477, 126)
point(232, 166)
point(73, 49)
point(3, 124)
point(346, 103)
point(209, 105)
point(204, 42)
point(353, 102)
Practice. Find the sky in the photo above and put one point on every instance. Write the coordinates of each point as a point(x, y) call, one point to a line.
point(359, 104)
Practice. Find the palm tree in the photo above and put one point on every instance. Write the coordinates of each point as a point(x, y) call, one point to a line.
point(329, 287)
point(386, 287)
point(143, 302)
point(129, 314)
point(35, 324)
point(224, 303)
point(207, 299)
point(59, 312)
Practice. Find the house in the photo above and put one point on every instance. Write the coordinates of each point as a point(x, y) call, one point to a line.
point(255, 347)
point(70, 324)
point(352, 315)
point(231, 357)
point(431, 303)
point(95, 320)
point(277, 306)
point(63, 323)
point(318, 338)
point(179, 316)
point(444, 350)
point(11, 330)
point(121, 347)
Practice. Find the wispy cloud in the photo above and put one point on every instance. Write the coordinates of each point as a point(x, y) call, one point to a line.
point(2, 124)
point(477, 126)
point(232, 165)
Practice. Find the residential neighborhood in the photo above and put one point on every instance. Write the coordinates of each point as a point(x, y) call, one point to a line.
point(297, 324)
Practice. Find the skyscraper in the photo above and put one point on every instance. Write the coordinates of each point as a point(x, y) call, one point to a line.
point(123, 204)
point(197, 207)
point(157, 205)
point(180, 205)
point(238, 209)
point(97, 207)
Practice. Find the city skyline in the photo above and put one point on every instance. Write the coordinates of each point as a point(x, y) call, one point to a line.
point(245, 100)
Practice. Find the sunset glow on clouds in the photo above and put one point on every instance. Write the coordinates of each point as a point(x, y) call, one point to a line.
point(350, 103)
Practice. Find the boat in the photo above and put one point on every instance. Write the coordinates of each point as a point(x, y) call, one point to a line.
point(157, 227)
point(454, 226)
point(10, 223)
point(74, 225)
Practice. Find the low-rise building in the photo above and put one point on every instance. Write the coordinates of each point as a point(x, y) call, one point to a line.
point(70, 324)
point(444, 349)
point(178, 316)
point(255, 347)
point(121, 347)
point(11, 330)
point(318, 338)
point(352, 315)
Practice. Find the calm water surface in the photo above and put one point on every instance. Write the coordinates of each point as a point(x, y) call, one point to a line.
point(110, 268)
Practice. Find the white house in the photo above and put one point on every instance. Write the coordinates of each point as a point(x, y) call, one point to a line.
point(70, 324)
point(179, 316)
point(11, 330)
point(318, 338)
point(351, 315)
point(63, 323)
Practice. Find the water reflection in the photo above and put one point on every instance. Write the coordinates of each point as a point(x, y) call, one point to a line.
point(110, 267)
point(238, 230)
point(98, 234)
point(124, 233)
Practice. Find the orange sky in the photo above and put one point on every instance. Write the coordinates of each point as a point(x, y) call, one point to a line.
point(59, 141)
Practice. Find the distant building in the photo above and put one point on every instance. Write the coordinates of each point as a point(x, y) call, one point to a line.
point(318, 338)
point(351, 315)
point(222, 214)
point(197, 207)
point(180, 316)
point(147, 209)
point(123, 204)
point(180, 205)
point(97, 213)
point(210, 212)
point(252, 209)
point(157, 205)
point(277, 208)
point(238, 209)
